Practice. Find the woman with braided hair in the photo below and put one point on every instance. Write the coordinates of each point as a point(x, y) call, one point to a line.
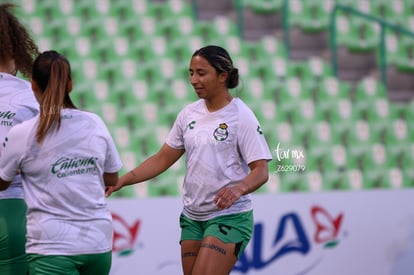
point(226, 160)
point(17, 104)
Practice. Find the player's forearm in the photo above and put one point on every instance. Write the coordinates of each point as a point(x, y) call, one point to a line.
point(149, 169)
point(258, 176)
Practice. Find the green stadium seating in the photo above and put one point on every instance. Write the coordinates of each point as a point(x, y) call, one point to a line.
point(309, 15)
point(263, 6)
point(293, 182)
point(363, 35)
point(130, 64)
point(403, 57)
point(354, 178)
point(335, 181)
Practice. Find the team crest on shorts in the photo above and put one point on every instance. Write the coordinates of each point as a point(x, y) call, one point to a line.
point(221, 132)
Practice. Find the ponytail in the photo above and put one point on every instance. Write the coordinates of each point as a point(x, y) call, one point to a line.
point(51, 72)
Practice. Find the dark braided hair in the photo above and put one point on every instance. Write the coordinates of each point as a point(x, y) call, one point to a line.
point(220, 59)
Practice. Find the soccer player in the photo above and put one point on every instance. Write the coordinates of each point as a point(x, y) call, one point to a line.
point(226, 160)
point(17, 103)
point(66, 158)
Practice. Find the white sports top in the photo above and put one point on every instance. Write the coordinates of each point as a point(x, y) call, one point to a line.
point(63, 183)
point(17, 104)
point(219, 146)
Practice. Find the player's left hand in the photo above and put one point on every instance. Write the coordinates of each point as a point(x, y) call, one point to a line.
point(228, 195)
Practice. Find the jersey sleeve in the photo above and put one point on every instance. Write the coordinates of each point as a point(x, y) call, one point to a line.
point(175, 137)
point(11, 153)
point(251, 141)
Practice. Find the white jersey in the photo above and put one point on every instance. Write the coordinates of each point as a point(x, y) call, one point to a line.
point(219, 145)
point(63, 183)
point(17, 104)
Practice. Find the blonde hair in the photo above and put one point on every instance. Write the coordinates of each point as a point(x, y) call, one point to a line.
point(52, 74)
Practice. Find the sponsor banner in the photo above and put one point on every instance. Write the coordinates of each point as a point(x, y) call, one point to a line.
point(341, 233)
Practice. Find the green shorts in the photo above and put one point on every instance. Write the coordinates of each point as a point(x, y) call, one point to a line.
point(87, 264)
point(13, 259)
point(234, 228)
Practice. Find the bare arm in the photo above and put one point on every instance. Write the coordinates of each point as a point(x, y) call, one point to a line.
point(150, 168)
point(4, 184)
point(259, 174)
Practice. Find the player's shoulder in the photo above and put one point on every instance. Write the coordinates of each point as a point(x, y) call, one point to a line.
point(192, 107)
point(85, 114)
point(242, 108)
point(24, 127)
point(14, 83)
point(196, 105)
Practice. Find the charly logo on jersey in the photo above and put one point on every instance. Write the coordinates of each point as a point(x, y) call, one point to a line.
point(66, 166)
point(221, 133)
point(191, 125)
point(259, 130)
point(6, 118)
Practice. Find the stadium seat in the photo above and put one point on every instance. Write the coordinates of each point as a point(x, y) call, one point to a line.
point(377, 159)
point(341, 111)
point(394, 12)
point(309, 15)
point(398, 136)
point(263, 6)
point(335, 159)
point(360, 35)
point(335, 181)
point(354, 178)
point(315, 68)
point(376, 180)
point(275, 68)
point(268, 46)
point(395, 177)
point(403, 57)
point(360, 136)
point(293, 182)
point(322, 134)
point(370, 88)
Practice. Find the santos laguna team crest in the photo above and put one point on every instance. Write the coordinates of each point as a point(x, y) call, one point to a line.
point(221, 132)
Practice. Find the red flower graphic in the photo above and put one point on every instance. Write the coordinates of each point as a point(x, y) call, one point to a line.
point(327, 228)
point(124, 235)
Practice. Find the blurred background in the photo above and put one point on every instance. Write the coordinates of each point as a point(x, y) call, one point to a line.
point(331, 79)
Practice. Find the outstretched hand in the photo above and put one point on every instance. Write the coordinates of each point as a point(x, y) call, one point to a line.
point(110, 189)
